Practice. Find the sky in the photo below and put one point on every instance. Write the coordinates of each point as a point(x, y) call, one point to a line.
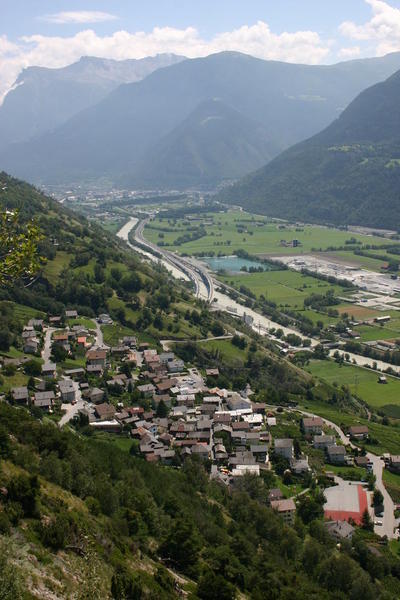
point(55, 33)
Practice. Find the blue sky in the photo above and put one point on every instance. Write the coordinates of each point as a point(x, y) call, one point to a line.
point(55, 33)
point(22, 17)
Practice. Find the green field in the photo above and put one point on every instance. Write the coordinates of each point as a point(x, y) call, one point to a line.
point(285, 288)
point(362, 382)
point(226, 349)
point(235, 229)
point(392, 484)
point(365, 262)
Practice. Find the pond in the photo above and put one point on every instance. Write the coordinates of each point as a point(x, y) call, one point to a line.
point(232, 264)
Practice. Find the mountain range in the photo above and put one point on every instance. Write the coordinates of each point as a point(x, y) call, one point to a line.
point(42, 99)
point(140, 124)
point(347, 174)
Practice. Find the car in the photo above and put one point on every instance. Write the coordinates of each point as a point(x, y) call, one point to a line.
point(378, 522)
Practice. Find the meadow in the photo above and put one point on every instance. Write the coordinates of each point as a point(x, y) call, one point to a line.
point(257, 235)
point(361, 382)
point(285, 288)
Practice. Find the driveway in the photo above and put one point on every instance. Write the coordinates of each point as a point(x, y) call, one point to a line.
point(72, 409)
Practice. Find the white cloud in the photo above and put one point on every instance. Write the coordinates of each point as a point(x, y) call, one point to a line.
point(57, 51)
point(79, 16)
point(383, 28)
point(351, 52)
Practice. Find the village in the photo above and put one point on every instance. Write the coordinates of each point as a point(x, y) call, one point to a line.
point(171, 411)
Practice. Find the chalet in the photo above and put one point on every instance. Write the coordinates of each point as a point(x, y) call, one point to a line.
point(105, 319)
point(165, 357)
point(36, 324)
point(175, 366)
point(359, 432)
point(75, 373)
point(105, 411)
point(275, 494)
point(299, 465)
point(284, 447)
point(212, 372)
point(31, 345)
point(147, 390)
point(55, 321)
point(67, 390)
point(394, 463)
point(165, 386)
point(130, 341)
point(313, 425)
point(108, 425)
point(20, 395)
point(336, 455)
point(201, 450)
point(96, 395)
point(28, 332)
point(49, 369)
point(322, 442)
point(236, 402)
point(220, 452)
point(119, 350)
point(286, 509)
point(340, 530)
point(94, 370)
point(71, 314)
point(44, 400)
point(260, 452)
point(96, 358)
point(361, 461)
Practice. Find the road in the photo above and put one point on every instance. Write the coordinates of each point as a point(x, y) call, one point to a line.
point(389, 522)
point(46, 352)
point(99, 343)
point(193, 270)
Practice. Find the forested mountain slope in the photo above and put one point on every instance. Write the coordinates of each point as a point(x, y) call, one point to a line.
point(347, 174)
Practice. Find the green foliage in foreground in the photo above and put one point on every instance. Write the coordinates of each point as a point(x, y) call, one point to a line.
point(93, 502)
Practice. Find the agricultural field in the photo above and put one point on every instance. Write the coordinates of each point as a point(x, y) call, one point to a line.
point(361, 382)
point(285, 288)
point(365, 262)
point(392, 484)
point(226, 232)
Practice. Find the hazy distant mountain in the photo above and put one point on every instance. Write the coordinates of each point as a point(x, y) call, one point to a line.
point(111, 139)
point(347, 174)
point(42, 98)
point(214, 143)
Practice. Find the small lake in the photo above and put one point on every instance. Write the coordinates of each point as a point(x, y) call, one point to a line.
point(231, 264)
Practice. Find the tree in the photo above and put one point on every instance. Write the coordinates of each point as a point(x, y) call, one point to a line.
point(5, 448)
point(32, 368)
point(182, 545)
point(19, 256)
point(125, 586)
point(377, 498)
point(366, 521)
point(162, 410)
point(214, 587)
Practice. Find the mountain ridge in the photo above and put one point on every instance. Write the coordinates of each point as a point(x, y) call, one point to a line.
point(110, 139)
